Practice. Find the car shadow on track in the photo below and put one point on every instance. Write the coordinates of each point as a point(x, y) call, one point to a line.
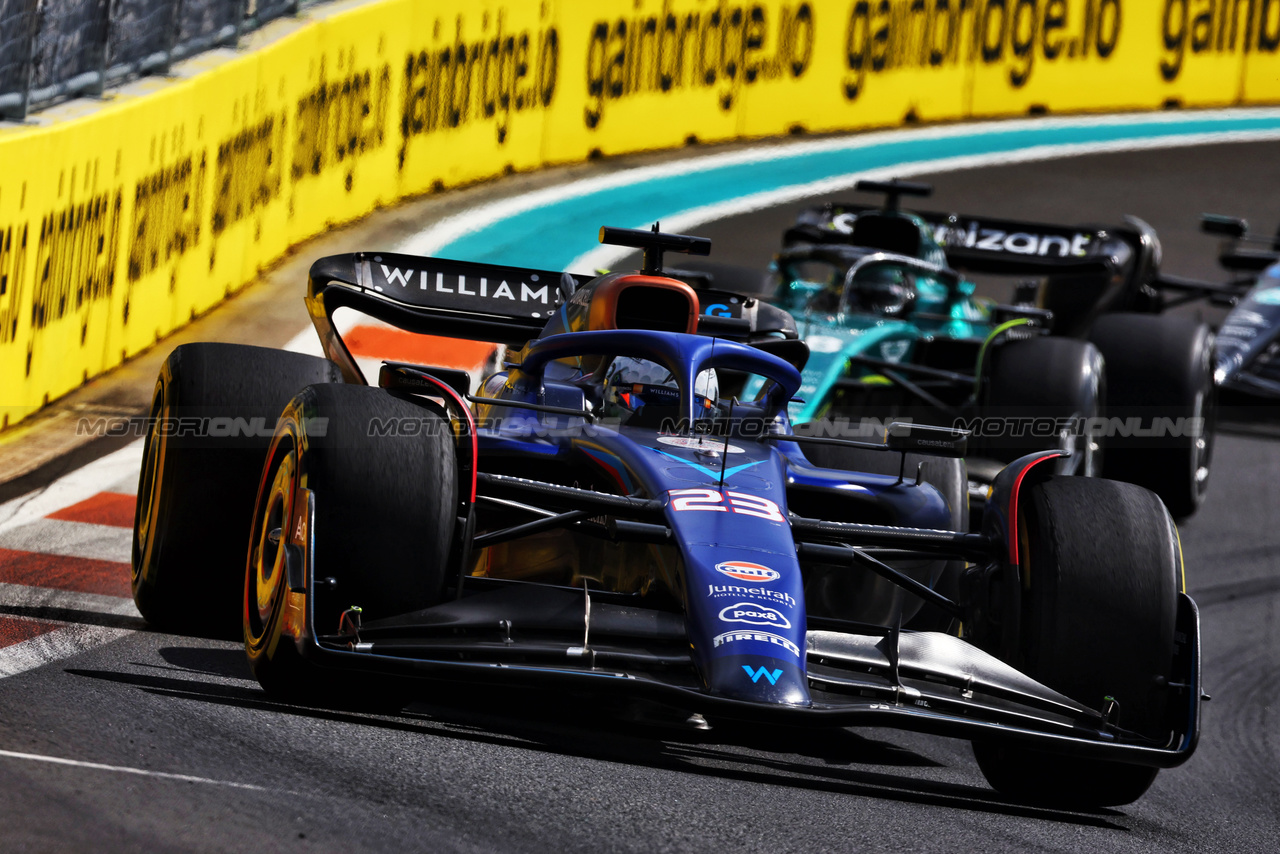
point(586, 728)
point(229, 663)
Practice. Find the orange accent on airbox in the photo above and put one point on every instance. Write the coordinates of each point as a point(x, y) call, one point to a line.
point(397, 345)
point(655, 302)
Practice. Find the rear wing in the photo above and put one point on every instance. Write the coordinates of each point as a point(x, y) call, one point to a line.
point(982, 244)
point(434, 296)
point(485, 302)
point(460, 299)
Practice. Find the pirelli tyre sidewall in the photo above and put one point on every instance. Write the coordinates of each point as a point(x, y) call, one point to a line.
point(379, 539)
point(213, 413)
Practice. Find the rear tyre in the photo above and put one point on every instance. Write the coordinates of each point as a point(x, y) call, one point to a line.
point(384, 519)
point(196, 490)
point(1159, 367)
point(947, 475)
point(1044, 381)
point(1102, 573)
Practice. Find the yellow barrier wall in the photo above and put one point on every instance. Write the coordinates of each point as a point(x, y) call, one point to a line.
point(121, 220)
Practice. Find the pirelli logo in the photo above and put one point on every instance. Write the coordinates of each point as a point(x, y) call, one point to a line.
point(761, 637)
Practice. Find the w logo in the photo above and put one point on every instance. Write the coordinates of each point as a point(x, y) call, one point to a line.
point(756, 674)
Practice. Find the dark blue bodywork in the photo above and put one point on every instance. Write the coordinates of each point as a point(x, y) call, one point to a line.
point(746, 626)
point(723, 628)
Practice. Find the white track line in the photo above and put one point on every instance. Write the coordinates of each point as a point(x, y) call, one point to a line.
point(306, 341)
point(123, 769)
point(450, 229)
point(71, 639)
point(604, 257)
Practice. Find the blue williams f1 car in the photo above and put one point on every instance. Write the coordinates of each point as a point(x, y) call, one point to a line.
point(596, 516)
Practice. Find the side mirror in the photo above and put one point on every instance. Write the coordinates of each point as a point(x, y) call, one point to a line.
point(1224, 226)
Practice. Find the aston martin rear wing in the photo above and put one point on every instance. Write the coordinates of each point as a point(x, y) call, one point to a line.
point(982, 244)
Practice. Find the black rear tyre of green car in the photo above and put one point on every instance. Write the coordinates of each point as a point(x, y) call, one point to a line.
point(1040, 394)
point(1160, 378)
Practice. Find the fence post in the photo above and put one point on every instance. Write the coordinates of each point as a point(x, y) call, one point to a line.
point(242, 11)
point(32, 16)
point(101, 58)
point(175, 27)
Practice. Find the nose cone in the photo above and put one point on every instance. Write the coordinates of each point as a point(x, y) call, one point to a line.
point(758, 679)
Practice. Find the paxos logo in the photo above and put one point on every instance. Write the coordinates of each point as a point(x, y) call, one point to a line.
point(771, 675)
point(744, 571)
point(756, 615)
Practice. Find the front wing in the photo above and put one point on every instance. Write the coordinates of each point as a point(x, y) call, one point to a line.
point(858, 676)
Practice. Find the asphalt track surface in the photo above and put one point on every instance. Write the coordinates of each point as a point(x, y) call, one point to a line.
point(174, 748)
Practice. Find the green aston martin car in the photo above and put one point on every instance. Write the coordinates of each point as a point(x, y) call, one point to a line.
point(1081, 358)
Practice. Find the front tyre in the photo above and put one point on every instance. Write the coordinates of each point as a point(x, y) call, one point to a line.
point(1102, 572)
point(382, 474)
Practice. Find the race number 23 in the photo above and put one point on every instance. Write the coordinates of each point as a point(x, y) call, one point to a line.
point(738, 502)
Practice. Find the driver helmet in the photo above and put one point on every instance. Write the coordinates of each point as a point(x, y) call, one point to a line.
point(884, 289)
point(639, 391)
